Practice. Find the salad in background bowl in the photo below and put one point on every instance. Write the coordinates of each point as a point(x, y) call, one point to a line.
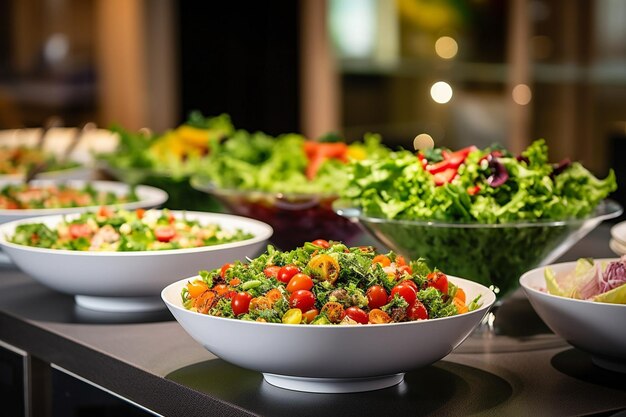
point(121, 260)
point(359, 304)
point(168, 160)
point(47, 197)
point(584, 302)
point(63, 158)
point(484, 214)
point(288, 182)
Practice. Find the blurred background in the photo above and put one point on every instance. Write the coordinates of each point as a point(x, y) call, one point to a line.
point(462, 71)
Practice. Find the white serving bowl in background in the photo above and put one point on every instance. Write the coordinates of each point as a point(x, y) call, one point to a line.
point(596, 328)
point(128, 281)
point(56, 142)
point(330, 358)
point(148, 197)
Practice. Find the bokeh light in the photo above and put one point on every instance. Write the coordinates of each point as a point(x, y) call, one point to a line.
point(446, 47)
point(423, 141)
point(522, 94)
point(441, 92)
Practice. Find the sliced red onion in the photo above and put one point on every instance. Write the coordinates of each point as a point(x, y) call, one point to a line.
point(560, 167)
point(499, 174)
point(614, 275)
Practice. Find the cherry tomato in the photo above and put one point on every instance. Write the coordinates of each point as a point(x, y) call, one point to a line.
point(221, 289)
point(310, 315)
point(324, 267)
point(410, 283)
point(140, 213)
point(271, 271)
point(240, 303)
point(292, 316)
point(300, 281)
point(333, 310)
point(357, 314)
point(302, 299)
point(438, 280)
point(405, 291)
point(405, 269)
point(79, 230)
point(273, 295)
point(460, 294)
point(400, 261)
point(286, 273)
point(321, 243)
point(417, 311)
point(377, 316)
point(225, 268)
point(164, 233)
point(382, 259)
point(376, 297)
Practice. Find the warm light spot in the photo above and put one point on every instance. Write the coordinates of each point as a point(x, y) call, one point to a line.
point(441, 92)
point(446, 47)
point(522, 94)
point(423, 141)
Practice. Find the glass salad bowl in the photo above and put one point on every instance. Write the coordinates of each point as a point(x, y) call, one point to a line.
point(295, 218)
point(495, 255)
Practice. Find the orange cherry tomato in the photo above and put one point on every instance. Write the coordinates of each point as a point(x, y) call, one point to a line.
point(300, 281)
point(196, 288)
point(377, 316)
point(310, 315)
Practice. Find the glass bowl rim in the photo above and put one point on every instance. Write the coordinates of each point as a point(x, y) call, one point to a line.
point(606, 209)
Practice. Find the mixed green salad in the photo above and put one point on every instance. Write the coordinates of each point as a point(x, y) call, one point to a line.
point(488, 185)
point(590, 280)
point(124, 231)
point(285, 164)
point(323, 283)
point(481, 214)
point(22, 196)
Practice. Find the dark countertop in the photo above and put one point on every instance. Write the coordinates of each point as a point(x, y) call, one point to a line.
point(151, 361)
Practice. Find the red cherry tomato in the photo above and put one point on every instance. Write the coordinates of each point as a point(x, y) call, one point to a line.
point(417, 311)
point(321, 243)
point(286, 273)
point(405, 269)
point(300, 281)
point(225, 268)
point(79, 230)
point(376, 297)
point(271, 271)
point(164, 233)
point(405, 291)
point(357, 314)
point(438, 280)
point(410, 283)
point(302, 299)
point(240, 303)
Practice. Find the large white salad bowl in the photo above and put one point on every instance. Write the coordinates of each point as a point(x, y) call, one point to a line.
point(594, 327)
point(147, 197)
point(330, 358)
point(128, 281)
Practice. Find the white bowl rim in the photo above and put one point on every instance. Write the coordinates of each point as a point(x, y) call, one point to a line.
point(266, 233)
point(527, 276)
point(156, 196)
point(488, 300)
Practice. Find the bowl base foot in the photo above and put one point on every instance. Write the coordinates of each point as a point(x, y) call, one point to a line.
point(333, 385)
point(610, 364)
point(120, 304)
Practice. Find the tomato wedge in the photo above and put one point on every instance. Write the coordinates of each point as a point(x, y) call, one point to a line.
point(164, 233)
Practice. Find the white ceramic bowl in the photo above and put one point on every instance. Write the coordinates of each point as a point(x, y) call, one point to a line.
point(330, 358)
point(148, 197)
point(597, 328)
point(128, 281)
point(57, 142)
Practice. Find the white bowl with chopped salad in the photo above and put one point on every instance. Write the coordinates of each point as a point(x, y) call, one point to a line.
point(119, 260)
point(584, 302)
point(48, 197)
point(328, 318)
